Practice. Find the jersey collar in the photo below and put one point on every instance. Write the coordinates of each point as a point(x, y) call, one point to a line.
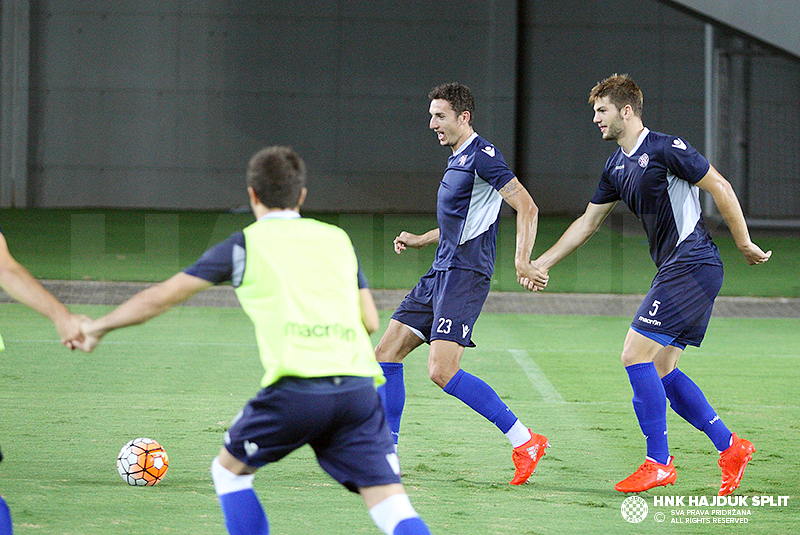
point(466, 143)
point(638, 143)
point(282, 214)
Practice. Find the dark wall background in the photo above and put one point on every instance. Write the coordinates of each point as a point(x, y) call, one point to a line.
point(160, 103)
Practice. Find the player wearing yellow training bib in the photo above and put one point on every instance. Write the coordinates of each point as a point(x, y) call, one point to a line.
point(302, 329)
point(298, 281)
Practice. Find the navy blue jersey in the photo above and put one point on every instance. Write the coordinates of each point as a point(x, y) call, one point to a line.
point(657, 182)
point(217, 264)
point(226, 261)
point(468, 205)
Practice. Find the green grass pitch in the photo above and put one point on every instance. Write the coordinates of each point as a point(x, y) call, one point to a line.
point(138, 245)
point(182, 377)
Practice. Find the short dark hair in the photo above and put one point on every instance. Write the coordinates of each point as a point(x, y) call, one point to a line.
point(278, 176)
point(621, 91)
point(458, 95)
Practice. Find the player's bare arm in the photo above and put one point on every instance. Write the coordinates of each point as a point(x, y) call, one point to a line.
point(576, 235)
point(515, 194)
point(731, 211)
point(143, 306)
point(20, 284)
point(369, 312)
point(415, 241)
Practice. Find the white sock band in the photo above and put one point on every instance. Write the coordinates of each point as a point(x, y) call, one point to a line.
point(391, 512)
point(226, 482)
point(518, 434)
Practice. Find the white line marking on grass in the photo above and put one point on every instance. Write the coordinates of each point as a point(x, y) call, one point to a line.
point(565, 418)
point(536, 376)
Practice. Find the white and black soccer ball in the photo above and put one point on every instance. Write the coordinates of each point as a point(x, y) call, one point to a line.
point(142, 462)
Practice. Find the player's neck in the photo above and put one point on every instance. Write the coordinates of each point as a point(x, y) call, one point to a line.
point(462, 139)
point(630, 138)
point(260, 211)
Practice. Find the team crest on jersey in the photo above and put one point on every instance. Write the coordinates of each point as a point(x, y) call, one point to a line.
point(644, 159)
point(463, 160)
point(489, 151)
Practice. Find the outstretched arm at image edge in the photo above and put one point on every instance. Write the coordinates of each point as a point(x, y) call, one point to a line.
point(143, 306)
point(22, 286)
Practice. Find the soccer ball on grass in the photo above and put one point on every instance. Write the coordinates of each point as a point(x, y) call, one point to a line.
point(142, 462)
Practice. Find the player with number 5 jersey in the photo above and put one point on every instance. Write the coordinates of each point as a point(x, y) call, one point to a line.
point(659, 178)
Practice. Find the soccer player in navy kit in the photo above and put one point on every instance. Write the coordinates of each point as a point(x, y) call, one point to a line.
point(659, 177)
point(443, 307)
point(320, 371)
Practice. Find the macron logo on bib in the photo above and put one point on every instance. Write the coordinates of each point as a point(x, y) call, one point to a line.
point(489, 151)
point(678, 143)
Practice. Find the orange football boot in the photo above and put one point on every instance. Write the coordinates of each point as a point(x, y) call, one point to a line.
point(733, 461)
point(527, 456)
point(650, 474)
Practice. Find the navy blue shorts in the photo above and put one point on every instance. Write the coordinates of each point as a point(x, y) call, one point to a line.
point(444, 305)
point(341, 418)
point(680, 302)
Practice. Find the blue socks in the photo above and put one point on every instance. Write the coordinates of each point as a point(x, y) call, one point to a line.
point(240, 506)
point(5, 518)
point(481, 398)
point(393, 395)
point(650, 404)
point(474, 392)
point(686, 399)
point(396, 516)
point(243, 513)
point(411, 526)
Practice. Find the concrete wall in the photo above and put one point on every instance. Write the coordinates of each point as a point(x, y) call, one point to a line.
point(771, 21)
point(160, 103)
point(773, 186)
point(570, 45)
